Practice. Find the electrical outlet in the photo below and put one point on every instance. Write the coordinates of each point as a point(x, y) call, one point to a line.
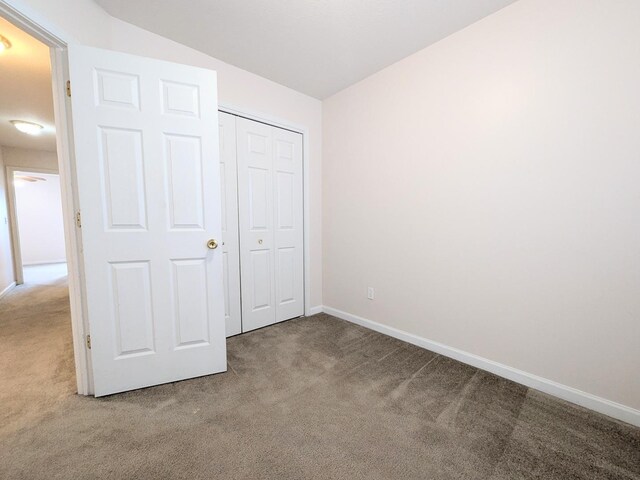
point(370, 293)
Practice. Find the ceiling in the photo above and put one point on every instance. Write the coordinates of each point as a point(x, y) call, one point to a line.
point(25, 90)
point(317, 47)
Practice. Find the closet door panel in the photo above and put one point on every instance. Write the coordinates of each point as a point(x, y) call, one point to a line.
point(289, 224)
point(230, 236)
point(256, 206)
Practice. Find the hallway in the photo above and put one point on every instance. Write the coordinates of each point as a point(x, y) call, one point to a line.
point(36, 352)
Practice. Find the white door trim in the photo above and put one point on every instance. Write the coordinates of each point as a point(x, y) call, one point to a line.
point(32, 23)
point(25, 18)
point(304, 131)
point(18, 267)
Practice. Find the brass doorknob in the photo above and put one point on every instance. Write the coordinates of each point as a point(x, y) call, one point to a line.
point(212, 244)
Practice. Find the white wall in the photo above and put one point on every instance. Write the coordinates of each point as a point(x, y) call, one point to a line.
point(236, 87)
point(39, 215)
point(7, 276)
point(488, 188)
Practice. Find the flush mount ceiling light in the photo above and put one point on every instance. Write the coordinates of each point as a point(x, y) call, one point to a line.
point(4, 44)
point(18, 179)
point(29, 128)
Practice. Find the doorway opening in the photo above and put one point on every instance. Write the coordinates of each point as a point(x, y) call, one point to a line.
point(36, 330)
point(38, 236)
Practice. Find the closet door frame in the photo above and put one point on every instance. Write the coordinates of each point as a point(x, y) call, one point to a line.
point(304, 131)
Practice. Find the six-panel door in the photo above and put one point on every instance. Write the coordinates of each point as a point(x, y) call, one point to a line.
point(146, 140)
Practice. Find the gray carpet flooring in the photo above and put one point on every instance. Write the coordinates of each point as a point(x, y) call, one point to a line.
point(313, 398)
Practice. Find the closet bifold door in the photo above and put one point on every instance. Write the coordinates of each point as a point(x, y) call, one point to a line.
point(289, 225)
point(230, 244)
point(271, 223)
point(255, 202)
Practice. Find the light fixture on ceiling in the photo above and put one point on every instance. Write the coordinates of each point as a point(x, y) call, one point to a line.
point(29, 128)
point(5, 44)
point(20, 180)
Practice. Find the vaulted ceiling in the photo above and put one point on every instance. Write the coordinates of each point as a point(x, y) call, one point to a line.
point(317, 47)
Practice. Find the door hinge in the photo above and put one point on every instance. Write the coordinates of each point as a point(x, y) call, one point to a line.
point(78, 219)
point(68, 88)
point(89, 342)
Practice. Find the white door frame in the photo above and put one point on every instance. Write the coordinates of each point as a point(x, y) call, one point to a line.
point(13, 216)
point(304, 131)
point(30, 22)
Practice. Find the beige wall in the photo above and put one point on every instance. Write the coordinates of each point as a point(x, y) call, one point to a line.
point(39, 218)
point(28, 158)
point(7, 276)
point(236, 87)
point(487, 187)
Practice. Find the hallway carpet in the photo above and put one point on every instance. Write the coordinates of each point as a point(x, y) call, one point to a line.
point(312, 398)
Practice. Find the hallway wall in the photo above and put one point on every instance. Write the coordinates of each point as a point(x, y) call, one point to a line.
point(7, 275)
point(24, 158)
point(39, 215)
point(29, 158)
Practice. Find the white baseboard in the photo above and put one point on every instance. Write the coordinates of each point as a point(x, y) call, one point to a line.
point(7, 289)
point(315, 310)
point(570, 394)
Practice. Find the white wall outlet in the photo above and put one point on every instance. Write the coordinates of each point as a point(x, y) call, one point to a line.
point(370, 293)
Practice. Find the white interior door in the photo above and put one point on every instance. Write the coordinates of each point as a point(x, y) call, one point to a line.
point(146, 143)
point(271, 224)
point(230, 239)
